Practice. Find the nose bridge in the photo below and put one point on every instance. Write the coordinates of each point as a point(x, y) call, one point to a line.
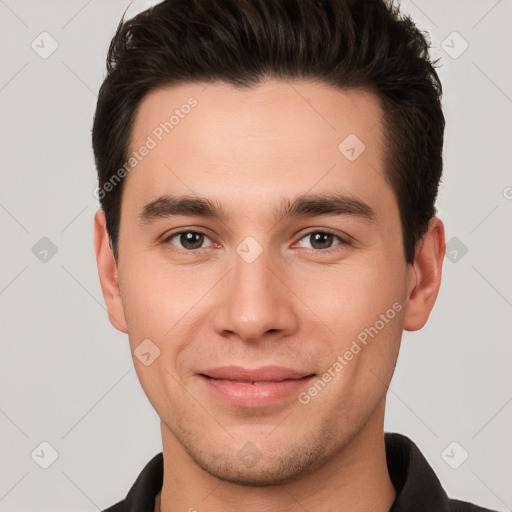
point(255, 301)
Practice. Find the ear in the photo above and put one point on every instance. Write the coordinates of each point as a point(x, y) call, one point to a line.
point(107, 270)
point(425, 276)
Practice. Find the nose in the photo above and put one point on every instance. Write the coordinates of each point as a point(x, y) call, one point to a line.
point(255, 302)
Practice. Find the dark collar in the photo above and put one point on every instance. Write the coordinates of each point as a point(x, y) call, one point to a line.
point(416, 484)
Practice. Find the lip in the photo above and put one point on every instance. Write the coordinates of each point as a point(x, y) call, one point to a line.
point(254, 388)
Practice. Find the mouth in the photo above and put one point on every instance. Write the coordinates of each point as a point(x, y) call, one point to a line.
point(256, 388)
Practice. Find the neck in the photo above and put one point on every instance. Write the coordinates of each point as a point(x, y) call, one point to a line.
point(356, 478)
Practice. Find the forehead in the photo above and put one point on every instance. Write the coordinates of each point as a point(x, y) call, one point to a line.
point(312, 110)
point(276, 137)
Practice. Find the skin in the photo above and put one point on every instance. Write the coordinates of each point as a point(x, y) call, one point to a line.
point(298, 305)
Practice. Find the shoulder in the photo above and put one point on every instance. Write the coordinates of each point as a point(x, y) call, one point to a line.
point(416, 483)
point(464, 506)
point(118, 507)
point(141, 496)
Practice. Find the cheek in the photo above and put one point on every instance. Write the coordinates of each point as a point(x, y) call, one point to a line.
point(162, 386)
point(156, 295)
point(349, 298)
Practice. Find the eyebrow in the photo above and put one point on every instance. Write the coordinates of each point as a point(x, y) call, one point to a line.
point(308, 205)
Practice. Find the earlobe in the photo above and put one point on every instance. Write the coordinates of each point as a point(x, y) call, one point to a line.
point(425, 277)
point(107, 271)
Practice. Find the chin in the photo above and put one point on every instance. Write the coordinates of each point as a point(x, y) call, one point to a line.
point(266, 475)
point(271, 466)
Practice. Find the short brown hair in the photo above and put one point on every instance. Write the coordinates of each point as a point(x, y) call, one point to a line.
point(366, 44)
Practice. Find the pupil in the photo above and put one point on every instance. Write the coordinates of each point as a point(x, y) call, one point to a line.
point(187, 240)
point(321, 239)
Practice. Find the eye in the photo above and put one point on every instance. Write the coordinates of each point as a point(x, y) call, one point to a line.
point(189, 240)
point(322, 240)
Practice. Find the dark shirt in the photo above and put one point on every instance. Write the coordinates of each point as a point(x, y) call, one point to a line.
point(417, 486)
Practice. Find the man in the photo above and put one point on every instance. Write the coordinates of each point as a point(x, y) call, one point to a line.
point(267, 176)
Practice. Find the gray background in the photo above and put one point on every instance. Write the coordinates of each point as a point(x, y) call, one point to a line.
point(67, 376)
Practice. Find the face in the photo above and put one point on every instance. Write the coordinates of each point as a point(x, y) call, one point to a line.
point(275, 296)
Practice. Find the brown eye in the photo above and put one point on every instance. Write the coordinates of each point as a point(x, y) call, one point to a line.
point(189, 240)
point(321, 240)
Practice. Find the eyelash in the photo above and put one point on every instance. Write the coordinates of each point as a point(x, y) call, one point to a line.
point(342, 241)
